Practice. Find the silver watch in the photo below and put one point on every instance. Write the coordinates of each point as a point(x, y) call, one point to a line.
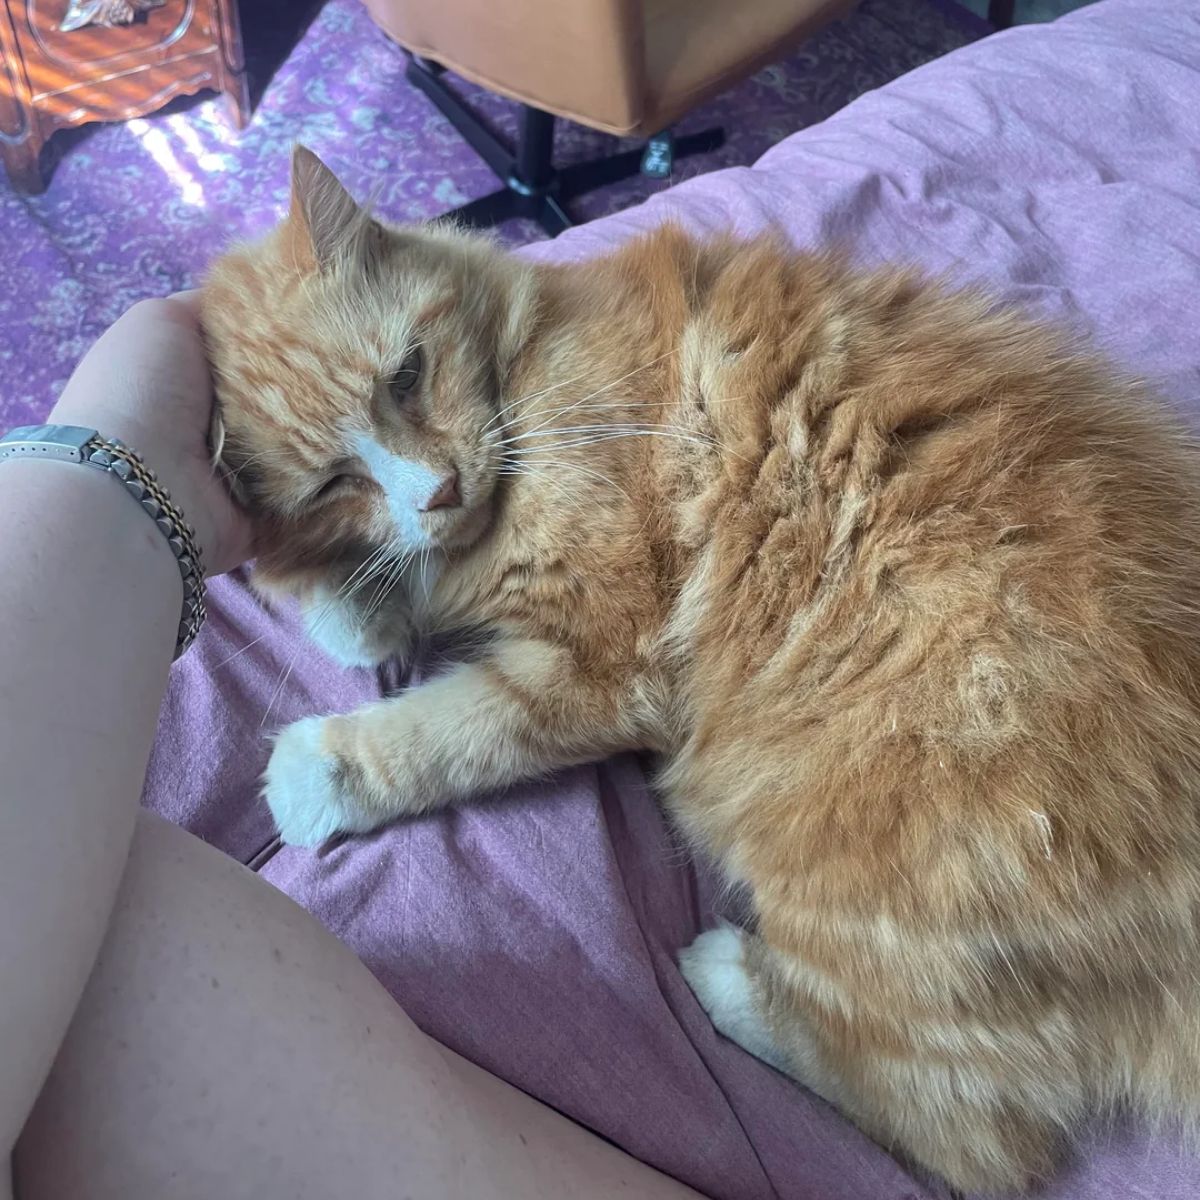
point(72, 443)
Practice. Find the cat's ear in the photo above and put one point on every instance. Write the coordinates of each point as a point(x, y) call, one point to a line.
point(323, 222)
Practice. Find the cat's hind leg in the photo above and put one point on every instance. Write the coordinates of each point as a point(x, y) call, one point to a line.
point(715, 969)
point(981, 1125)
point(719, 967)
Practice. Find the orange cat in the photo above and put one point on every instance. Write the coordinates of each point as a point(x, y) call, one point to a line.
point(903, 589)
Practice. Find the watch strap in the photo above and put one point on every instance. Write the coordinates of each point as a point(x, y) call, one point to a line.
point(73, 443)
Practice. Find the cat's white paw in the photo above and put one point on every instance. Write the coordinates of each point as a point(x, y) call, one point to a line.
point(338, 629)
point(304, 790)
point(714, 966)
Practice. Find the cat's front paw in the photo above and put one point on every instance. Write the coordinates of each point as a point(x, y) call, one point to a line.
point(341, 630)
point(305, 787)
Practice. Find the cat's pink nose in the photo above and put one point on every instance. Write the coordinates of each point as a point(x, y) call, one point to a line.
point(446, 495)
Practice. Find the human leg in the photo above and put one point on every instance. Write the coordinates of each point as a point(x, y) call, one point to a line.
point(227, 1045)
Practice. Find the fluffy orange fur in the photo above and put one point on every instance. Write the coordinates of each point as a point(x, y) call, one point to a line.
point(902, 586)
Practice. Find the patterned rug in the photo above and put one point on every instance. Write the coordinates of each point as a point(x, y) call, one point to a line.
point(139, 209)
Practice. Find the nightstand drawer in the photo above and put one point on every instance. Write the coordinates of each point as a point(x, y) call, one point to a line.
point(56, 59)
point(131, 93)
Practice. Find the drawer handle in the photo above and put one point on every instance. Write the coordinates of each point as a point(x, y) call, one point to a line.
point(81, 13)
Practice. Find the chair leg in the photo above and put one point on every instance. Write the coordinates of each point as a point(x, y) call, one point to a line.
point(535, 149)
point(1001, 12)
point(480, 136)
point(533, 188)
point(586, 177)
point(485, 212)
point(552, 217)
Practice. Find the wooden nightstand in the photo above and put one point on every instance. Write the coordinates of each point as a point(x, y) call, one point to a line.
point(67, 62)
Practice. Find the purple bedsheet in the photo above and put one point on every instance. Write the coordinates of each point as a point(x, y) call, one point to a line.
point(536, 932)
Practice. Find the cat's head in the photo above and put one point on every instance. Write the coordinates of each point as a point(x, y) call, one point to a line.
point(359, 370)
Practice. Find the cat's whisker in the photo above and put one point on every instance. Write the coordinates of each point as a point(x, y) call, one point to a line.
point(611, 435)
point(545, 430)
point(595, 427)
point(395, 559)
point(385, 580)
point(385, 555)
point(564, 383)
point(528, 399)
point(602, 406)
point(608, 386)
point(605, 432)
point(231, 477)
point(286, 674)
point(543, 470)
point(239, 653)
point(579, 467)
point(551, 413)
point(611, 405)
point(370, 569)
point(390, 578)
point(367, 570)
point(612, 427)
point(397, 574)
point(548, 482)
point(533, 396)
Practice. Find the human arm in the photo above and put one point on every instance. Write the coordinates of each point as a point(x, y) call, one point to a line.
point(90, 599)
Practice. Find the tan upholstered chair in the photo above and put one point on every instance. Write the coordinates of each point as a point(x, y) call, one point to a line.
point(628, 67)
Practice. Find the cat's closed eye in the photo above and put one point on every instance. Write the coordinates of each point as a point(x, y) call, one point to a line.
point(408, 376)
point(336, 485)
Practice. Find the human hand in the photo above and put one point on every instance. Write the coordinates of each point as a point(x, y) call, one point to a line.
point(146, 382)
